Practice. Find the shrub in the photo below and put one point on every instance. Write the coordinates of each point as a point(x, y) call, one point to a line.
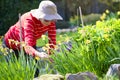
point(62, 24)
point(87, 19)
point(94, 49)
point(10, 10)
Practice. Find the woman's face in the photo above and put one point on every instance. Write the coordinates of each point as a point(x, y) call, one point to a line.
point(46, 22)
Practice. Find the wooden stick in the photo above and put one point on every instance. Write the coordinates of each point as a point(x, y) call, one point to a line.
point(78, 18)
point(20, 34)
point(81, 16)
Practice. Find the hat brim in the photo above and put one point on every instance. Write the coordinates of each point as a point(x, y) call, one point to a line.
point(38, 14)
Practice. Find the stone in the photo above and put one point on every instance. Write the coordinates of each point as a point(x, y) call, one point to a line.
point(113, 71)
point(50, 77)
point(81, 76)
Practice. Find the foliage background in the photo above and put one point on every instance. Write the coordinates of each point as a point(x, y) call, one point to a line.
point(9, 10)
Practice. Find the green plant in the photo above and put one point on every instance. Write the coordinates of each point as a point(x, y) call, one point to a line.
point(12, 68)
point(20, 68)
point(94, 49)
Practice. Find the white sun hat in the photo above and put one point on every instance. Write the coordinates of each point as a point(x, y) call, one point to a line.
point(47, 10)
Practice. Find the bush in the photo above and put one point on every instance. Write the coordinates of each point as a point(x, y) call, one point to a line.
point(62, 24)
point(87, 19)
point(91, 18)
point(94, 49)
point(10, 10)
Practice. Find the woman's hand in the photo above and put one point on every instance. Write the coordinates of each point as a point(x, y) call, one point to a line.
point(41, 54)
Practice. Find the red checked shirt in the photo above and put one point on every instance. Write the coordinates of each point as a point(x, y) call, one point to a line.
point(32, 29)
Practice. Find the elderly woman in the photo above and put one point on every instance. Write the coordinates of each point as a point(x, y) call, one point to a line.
point(32, 25)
